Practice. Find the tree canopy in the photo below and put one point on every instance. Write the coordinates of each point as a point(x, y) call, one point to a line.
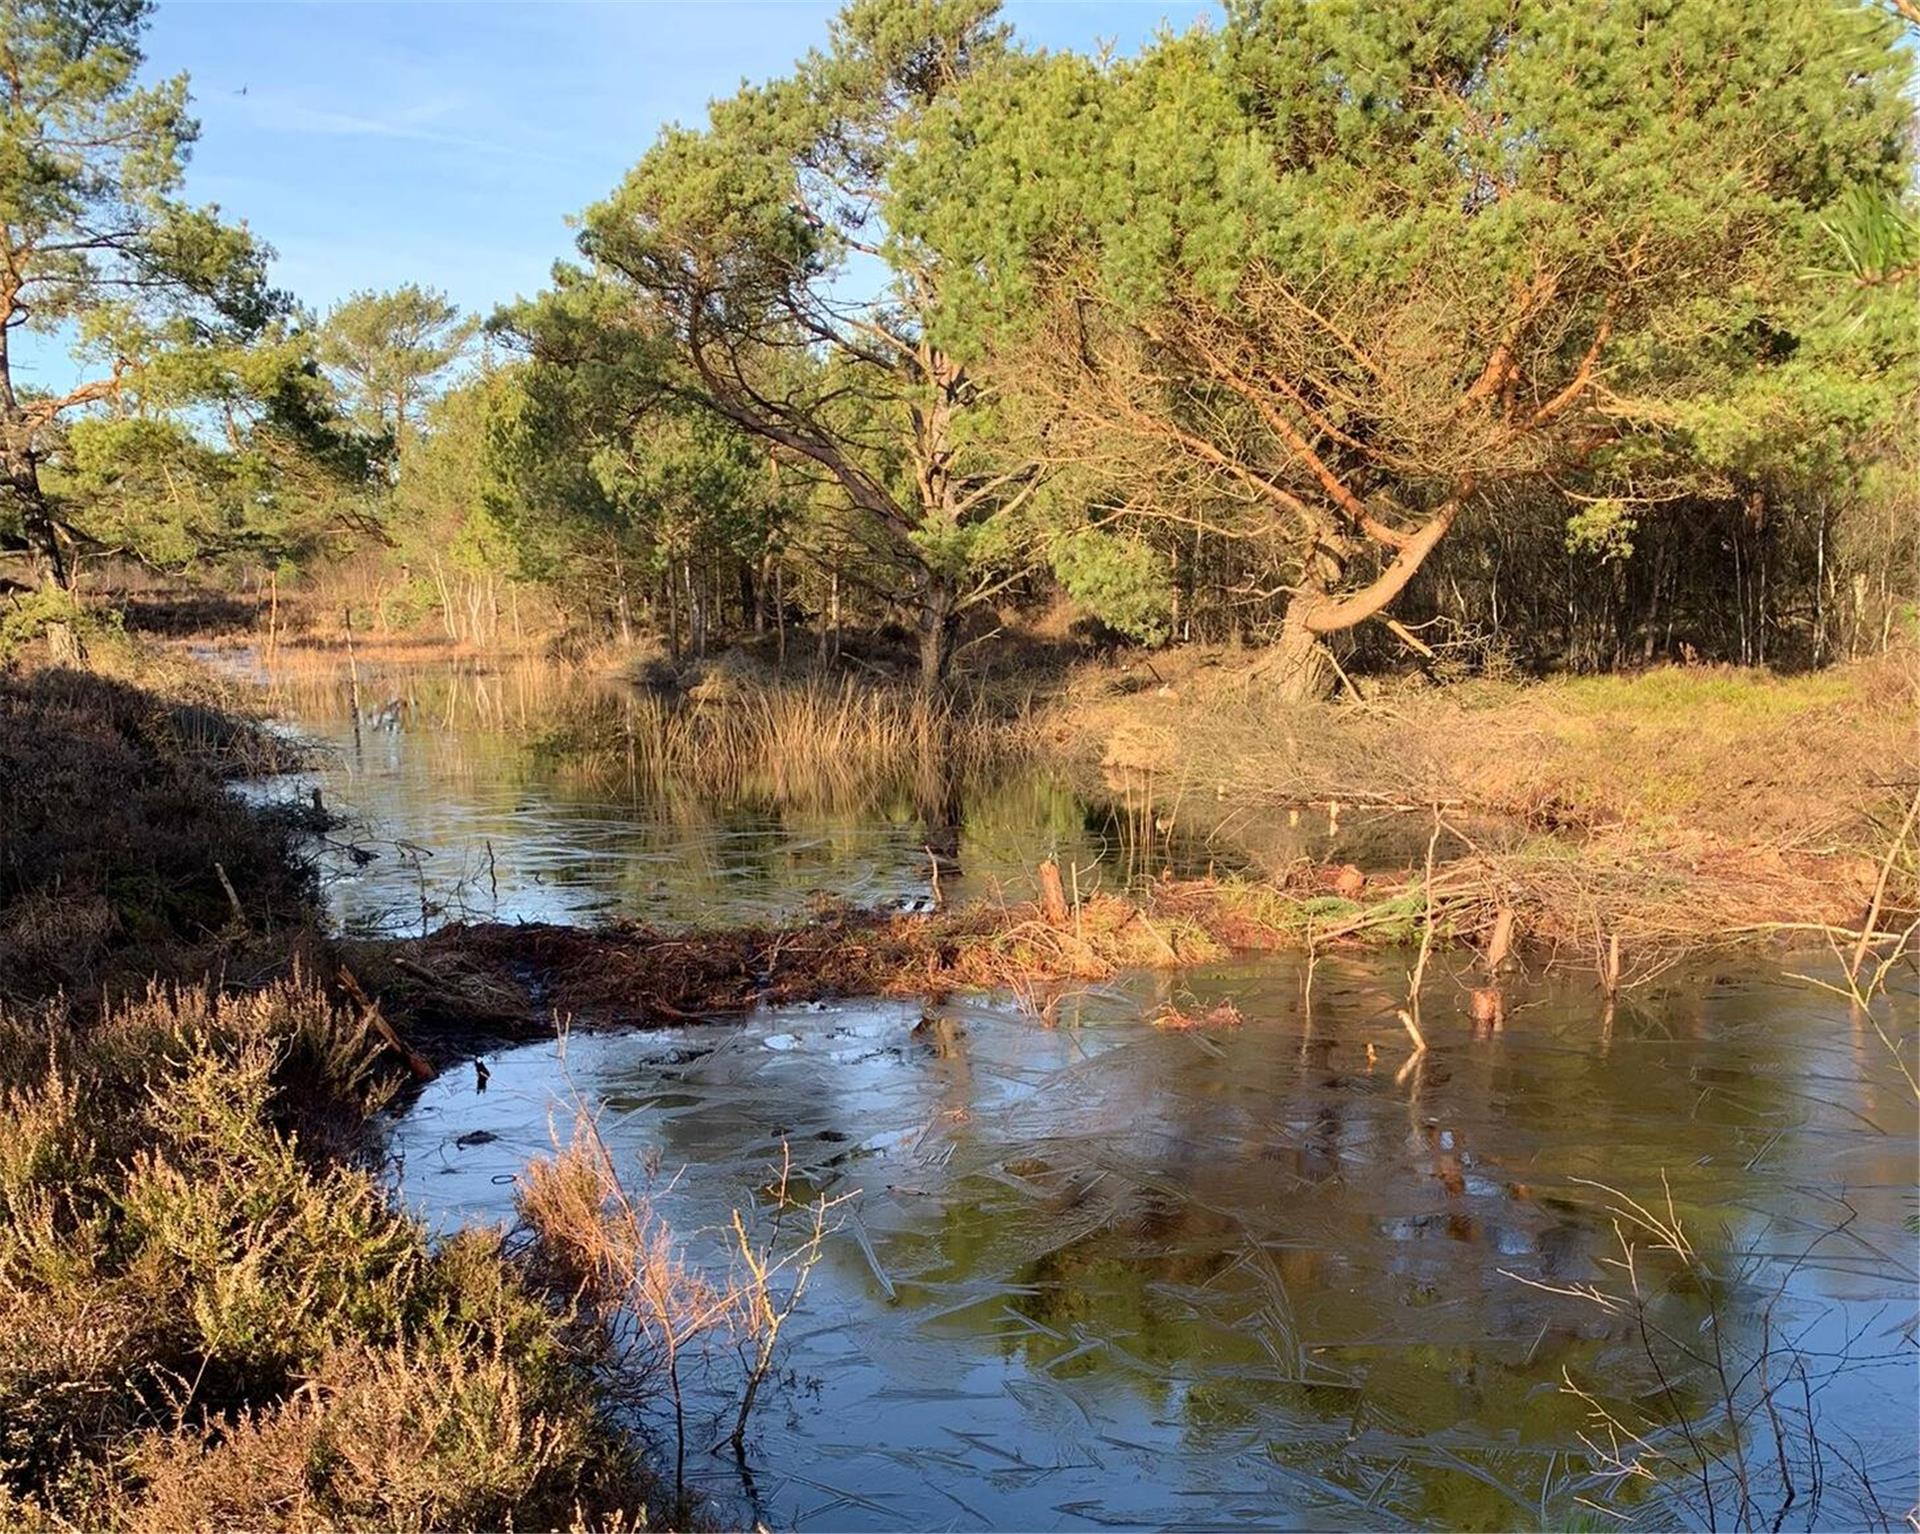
point(750, 271)
point(94, 238)
point(1335, 276)
point(1535, 328)
point(386, 350)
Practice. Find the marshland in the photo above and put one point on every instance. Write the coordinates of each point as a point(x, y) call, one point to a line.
point(1112, 774)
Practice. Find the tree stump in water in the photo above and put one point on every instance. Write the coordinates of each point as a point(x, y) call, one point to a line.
point(1053, 899)
point(1500, 944)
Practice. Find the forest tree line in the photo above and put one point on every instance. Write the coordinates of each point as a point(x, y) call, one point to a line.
point(1549, 333)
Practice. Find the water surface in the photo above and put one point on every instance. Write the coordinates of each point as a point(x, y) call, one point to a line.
point(483, 794)
point(1102, 1274)
point(1106, 1275)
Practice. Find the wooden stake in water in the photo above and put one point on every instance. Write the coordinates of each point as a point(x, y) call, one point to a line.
point(353, 677)
point(1410, 1015)
point(1053, 899)
point(1413, 1031)
point(233, 899)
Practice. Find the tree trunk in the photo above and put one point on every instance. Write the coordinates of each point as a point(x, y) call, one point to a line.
point(780, 614)
point(1302, 665)
point(20, 473)
point(20, 470)
point(696, 616)
point(622, 606)
point(22, 479)
point(673, 616)
point(64, 645)
point(1299, 663)
point(830, 619)
point(938, 626)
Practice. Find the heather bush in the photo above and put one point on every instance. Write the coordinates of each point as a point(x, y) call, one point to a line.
point(206, 1322)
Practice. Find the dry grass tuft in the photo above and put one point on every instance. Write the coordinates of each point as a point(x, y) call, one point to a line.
point(816, 742)
point(1174, 1020)
point(602, 1239)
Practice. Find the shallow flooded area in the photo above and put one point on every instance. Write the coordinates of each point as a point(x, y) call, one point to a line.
point(483, 794)
point(1100, 1273)
point(1104, 1274)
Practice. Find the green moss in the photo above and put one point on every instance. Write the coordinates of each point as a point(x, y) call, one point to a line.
point(1705, 696)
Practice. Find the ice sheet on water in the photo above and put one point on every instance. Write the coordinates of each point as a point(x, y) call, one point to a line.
point(1098, 1274)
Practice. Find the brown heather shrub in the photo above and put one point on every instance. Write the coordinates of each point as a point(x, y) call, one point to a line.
point(433, 1437)
point(205, 1324)
point(115, 823)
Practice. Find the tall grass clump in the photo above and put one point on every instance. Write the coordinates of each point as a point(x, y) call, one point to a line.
point(818, 741)
point(663, 1316)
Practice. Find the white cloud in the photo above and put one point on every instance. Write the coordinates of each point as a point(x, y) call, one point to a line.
point(280, 112)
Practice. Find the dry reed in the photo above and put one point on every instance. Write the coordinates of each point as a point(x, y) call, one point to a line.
point(813, 742)
point(604, 1239)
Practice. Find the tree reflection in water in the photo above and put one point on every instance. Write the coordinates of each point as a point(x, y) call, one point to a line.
point(1155, 1277)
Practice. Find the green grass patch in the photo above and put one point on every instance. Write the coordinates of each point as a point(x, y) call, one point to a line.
point(1672, 693)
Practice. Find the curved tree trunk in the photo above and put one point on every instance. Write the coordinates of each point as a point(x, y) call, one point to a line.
point(1301, 668)
point(1299, 662)
point(1330, 616)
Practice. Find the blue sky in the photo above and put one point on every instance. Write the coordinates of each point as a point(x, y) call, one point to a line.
point(447, 143)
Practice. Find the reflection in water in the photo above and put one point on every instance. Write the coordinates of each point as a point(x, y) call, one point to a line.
point(1104, 1274)
point(472, 792)
point(1139, 1277)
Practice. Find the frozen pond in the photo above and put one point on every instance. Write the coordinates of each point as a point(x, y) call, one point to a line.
point(1100, 1274)
point(1106, 1275)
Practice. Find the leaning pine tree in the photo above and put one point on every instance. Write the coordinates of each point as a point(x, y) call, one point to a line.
point(755, 254)
point(1338, 276)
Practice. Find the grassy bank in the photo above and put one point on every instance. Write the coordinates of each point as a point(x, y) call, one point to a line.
point(211, 1312)
point(1674, 807)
